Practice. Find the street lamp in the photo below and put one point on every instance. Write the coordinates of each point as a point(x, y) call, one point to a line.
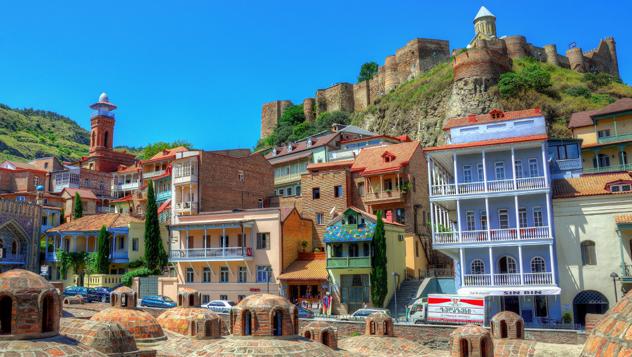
point(396, 278)
point(614, 277)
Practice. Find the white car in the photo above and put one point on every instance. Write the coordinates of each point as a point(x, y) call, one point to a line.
point(221, 306)
point(363, 313)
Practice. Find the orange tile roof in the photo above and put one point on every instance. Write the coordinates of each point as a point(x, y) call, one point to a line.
point(94, 222)
point(585, 118)
point(495, 115)
point(623, 219)
point(330, 165)
point(127, 198)
point(519, 139)
point(83, 193)
point(587, 185)
point(167, 154)
point(371, 160)
point(123, 169)
point(306, 270)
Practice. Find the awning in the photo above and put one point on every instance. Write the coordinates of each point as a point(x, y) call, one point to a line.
point(306, 270)
point(511, 291)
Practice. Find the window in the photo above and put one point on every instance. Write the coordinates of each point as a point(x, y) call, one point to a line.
point(467, 173)
point(315, 193)
point(223, 275)
point(243, 274)
point(121, 243)
point(388, 185)
point(263, 272)
point(478, 267)
point(518, 168)
point(533, 167)
point(400, 215)
point(44, 221)
point(470, 220)
point(589, 256)
point(481, 174)
point(361, 188)
point(298, 190)
point(35, 181)
point(601, 160)
point(135, 244)
point(522, 217)
point(499, 170)
point(263, 240)
point(260, 203)
point(320, 218)
point(621, 188)
point(241, 175)
point(507, 265)
point(281, 192)
point(537, 265)
point(603, 133)
point(205, 299)
point(189, 275)
point(289, 191)
point(523, 122)
point(20, 199)
point(484, 220)
point(338, 191)
point(206, 275)
point(503, 218)
point(540, 306)
point(537, 217)
point(223, 297)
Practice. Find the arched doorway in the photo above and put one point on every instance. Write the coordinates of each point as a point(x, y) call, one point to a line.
point(191, 300)
point(6, 309)
point(245, 322)
point(308, 335)
point(589, 302)
point(48, 313)
point(324, 338)
point(507, 265)
point(464, 346)
point(277, 323)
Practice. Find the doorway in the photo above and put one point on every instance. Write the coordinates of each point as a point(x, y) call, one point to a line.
point(511, 303)
point(588, 302)
point(277, 323)
point(6, 308)
point(48, 313)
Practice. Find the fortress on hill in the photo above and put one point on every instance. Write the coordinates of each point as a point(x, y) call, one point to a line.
point(476, 67)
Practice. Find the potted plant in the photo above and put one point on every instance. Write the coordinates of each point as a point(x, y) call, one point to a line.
point(304, 245)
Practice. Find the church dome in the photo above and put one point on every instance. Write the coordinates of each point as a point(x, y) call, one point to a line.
point(103, 98)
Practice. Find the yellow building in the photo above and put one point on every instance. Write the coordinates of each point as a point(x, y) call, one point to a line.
point(127, 244)
point(228, 255)
point(593, 230)
point(348, 240)
point(416, 260)
point(607, 137)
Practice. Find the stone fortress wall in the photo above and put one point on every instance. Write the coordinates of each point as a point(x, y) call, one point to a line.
point(478, 66)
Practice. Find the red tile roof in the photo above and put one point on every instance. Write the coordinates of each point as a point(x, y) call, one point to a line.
point(125, 169)
point(94, 222)
point(167, 154)
point(127, 198)
point(317, 141)
point(495, 115)
point(588, 185)
point(623, 219)
point(519, 139)
point(164, 206)
point(371, 160)
point(84, 193)
point(330, 165)
point(585, 118)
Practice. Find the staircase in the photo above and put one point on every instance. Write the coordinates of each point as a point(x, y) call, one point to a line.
point(408, 292)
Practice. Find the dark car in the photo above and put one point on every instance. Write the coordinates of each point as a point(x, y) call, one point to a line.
point(157, 301)
point(101, 294)
point(304, 313)
point(76, 290)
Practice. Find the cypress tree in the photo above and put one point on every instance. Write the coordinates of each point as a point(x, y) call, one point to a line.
point(78, 209)
point(103, 251)
point(155, 254)
point(379, 274)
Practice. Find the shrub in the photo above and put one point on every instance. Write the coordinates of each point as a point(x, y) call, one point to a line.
point(532, 76)
point(600, 79)
point(327, 119)
point(578, 92)
point(137, 263)
point(128, 277)
point(510, 84)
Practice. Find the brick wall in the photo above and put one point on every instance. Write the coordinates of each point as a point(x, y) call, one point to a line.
point(480, 63)
point(222, 189)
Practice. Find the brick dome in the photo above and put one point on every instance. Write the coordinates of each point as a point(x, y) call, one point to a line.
point(264, 315)
point(192, 321)
point(507, 324)
point(30, 307)
point(471, 340)
point(323, 332)
point(378, 324)
point(139, 323)
point(105, 337)
point(612, 336)
point(58, 346)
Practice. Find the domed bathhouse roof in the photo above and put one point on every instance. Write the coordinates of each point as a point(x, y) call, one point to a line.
point(187, 319)
point(471, 340)
point(612, 336)
point(264, 315)
point(507, 324)
point(323, 332)
point(105, 337)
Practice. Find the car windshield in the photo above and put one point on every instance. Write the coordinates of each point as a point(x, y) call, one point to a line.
point(231, 303)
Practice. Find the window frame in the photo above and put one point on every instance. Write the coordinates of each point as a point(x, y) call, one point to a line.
point(480, 267)
point(500, 221)
point(533, 263)
point(533, 167)
point(315, 193)
point(588, 249)
point(499, 165)
point(467, 173)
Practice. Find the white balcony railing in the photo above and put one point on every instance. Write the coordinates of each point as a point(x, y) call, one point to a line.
point(508, 279)
point(466, 188)
point(530, 183)
point(494, 235)
point(569, 164)
point(153, 173)
point(129, 186)
point(208, 253)
point(186, 206)
point(471, 187)
point(500, 185)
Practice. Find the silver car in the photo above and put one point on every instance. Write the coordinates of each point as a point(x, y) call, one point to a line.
point(220, 306)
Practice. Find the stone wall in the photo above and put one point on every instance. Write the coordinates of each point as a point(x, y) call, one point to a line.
point(270, 114)
point(338, 97)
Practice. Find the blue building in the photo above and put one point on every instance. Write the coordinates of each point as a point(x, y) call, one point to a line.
point(490, 195)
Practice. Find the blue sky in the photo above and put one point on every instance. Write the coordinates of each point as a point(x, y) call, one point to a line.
point(200, 70)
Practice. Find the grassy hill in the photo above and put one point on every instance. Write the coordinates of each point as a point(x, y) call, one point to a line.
point(26, 134)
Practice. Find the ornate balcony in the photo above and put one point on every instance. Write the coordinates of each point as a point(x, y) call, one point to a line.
point(466, 188)
point(493, 235)
point(210, 254)
point(186, 207)
point(384, 196)
point(510, 279)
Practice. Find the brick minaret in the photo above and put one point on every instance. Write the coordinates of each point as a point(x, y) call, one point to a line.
point(102, 124)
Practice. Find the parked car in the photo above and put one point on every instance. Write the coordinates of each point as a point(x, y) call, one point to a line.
point(101, 294)
point(304, 313)
point(362, 314)
point(221, 306)
point(157, 301)
point(76, 290)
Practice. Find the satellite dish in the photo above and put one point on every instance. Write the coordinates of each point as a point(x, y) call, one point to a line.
point(332, 211)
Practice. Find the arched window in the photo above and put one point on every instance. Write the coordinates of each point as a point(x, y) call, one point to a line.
point(307, 335)
point(14, 248)
point(105, 138)
point(191, 300)
point(507, 265)
point(537, 265)
point(478, 267)
point(589, 255)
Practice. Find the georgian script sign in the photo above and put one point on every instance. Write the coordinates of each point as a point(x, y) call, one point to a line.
point(456, 309)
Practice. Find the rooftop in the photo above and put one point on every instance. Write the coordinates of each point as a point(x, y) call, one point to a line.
point(375, 160)
point(588, 185)
point(495, 115)
point(94, 222)
point(586, 118)
point(519, 139)
point(483, 12)
point(315, 269)
point(83, 193)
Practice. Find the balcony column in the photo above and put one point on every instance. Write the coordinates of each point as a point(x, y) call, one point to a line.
point(204, 238)
point(223, 241)
point(517, 217)
point(433, 225)
point(488, 220)
point(597, 159)
point(513, 167)
point(458, 218)
point(456, 175)
point(545, 166)
point(87, 239)
point(187, 240)
point(462, 258)
point(621, 252)
point(549, 221)
point(552, 264)
point(521, 266)
point(381, 184)
point(430, 174)
point(243, 238)
point(485, 180)
point(491, 264)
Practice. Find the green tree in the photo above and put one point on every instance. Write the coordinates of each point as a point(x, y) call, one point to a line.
point(155, 254)
point(327, 119)
point(103, 252)
point(152, 149)
point(379, 274)
point(367, 71)
point(78, 209)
